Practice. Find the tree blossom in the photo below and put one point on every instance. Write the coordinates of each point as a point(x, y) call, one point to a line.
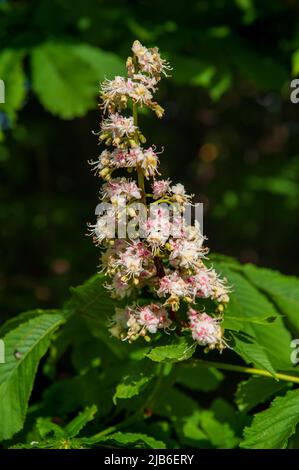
point(132, 262)
point(160, 188)
point(117, 126)
point(166, 260)
point(179, 193)
point(176, 287)
point(150, 60)
point(134, 321)
point(149, 82)
point(115, 93)
point(104, 228)
point(205, 329)
point(149, 162)
point(117, 187)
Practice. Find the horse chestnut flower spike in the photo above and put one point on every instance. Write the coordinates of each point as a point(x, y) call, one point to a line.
point(163, 256)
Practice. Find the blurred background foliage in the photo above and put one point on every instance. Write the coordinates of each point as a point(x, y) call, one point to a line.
point(230, 132)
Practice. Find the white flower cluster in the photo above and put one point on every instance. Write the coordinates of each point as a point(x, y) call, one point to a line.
point(168, 262)
point(144, 72)
point(138, 321)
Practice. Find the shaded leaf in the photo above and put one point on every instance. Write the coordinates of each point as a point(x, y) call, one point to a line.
point(92, 302)
point(256, 390)
point(194, 426)
point(197, 377)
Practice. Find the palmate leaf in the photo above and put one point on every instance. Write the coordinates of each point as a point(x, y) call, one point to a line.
point(66, 76)
point(272, 428)
point(24, 347)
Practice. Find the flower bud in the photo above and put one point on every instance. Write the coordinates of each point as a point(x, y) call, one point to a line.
point(104, 172)
point(132, 142)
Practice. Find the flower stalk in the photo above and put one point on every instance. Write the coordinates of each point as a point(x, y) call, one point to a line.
point(140, 174)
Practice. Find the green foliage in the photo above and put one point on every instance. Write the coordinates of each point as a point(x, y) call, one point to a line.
point(91, 302)
point(13, 322)
point(231, 61)
point(131, 386)
point(197, 377)
point(231, 88)
point(51, 435)
point(13, 75)
point(194, 426)
point(272, 428)
point(247, 302)
point(24, 347)
point(66, 68)
point(256, 390)
point(178, 349)
point(252, 352)
point(77, 424)
point(283, 290)
point(153, 381)
point(136, 440)
point(66, 76)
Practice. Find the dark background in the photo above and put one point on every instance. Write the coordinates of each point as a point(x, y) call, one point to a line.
point(230, 132)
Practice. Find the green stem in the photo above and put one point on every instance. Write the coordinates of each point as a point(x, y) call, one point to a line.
point(140, 174)
point(245, 370)
point(135, 114)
